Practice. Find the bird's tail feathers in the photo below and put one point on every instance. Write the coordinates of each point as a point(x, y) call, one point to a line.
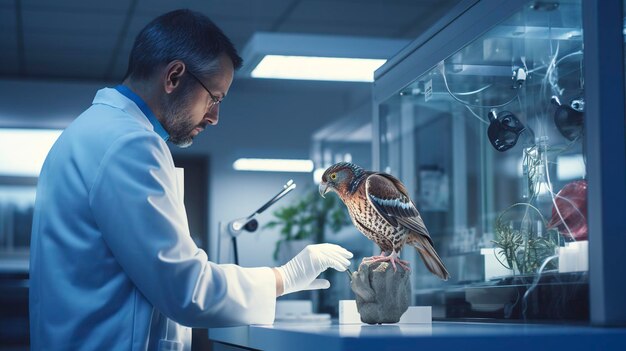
point(430, 258)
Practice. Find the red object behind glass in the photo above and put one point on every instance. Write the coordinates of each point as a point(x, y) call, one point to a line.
point(571, 202)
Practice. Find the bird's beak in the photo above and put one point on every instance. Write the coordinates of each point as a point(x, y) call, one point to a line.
point(323, 189)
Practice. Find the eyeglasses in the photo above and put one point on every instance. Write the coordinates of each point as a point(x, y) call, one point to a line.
point(214, 100)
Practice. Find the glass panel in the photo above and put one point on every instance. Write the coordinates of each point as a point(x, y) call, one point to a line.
point(489, 144)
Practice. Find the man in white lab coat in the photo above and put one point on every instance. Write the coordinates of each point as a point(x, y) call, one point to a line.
point(113, 266)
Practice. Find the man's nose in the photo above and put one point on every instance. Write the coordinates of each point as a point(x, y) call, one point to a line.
point(213, 115)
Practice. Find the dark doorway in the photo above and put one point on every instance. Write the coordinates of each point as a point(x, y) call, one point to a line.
point(197, 207)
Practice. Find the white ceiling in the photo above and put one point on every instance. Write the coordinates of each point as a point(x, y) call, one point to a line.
point(91, 40)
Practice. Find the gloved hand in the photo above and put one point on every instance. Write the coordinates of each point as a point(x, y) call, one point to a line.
point(300, 272)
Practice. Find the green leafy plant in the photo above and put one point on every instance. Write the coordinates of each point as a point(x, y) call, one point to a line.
point(521, 247)
point(308, 217)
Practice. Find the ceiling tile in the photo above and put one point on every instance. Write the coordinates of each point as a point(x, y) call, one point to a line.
point(250, 9)
point(379, 13)
point(77, 43)
point(77, 6)
point(338, 28)
point(63, 64)
point(266, 9)
point(153, 8)
point(71, 23)
point(70, 38)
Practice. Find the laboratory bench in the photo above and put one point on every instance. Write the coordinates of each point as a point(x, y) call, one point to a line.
point(438, 335)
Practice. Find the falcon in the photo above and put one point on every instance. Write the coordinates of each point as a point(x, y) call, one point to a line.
point(380, 208)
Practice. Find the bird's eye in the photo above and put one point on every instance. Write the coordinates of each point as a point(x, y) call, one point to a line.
point(333, 176)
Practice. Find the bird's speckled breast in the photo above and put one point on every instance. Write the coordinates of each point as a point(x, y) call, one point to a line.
point(369, 222)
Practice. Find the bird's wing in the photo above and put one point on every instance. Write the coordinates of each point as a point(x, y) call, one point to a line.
point(391, 200)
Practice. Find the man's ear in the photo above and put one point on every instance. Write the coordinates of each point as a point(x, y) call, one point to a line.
point(173, 71)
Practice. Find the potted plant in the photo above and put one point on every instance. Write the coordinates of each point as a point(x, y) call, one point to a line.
point(518, 245)
point(304, 222)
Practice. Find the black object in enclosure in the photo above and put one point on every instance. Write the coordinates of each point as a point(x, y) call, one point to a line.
point(505, 129)
point(569, 118)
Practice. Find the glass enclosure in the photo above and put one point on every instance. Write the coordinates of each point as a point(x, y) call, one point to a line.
point(489, 143)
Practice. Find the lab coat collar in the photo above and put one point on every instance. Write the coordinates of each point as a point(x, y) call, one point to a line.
point(158, 128)
point(125, 99)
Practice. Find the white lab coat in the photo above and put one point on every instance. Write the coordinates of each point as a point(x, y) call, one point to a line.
point(113, 266)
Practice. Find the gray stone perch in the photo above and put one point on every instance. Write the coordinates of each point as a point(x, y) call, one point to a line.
point(382, 295)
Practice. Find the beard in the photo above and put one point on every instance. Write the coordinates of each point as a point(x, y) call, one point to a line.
point(178, 120)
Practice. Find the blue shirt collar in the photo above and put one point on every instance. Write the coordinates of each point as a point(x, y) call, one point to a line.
point(158, 128)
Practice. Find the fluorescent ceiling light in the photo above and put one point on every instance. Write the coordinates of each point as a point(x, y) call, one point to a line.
point(273, 165)
point(23, 151)
point(317, 68)
point(316, 57)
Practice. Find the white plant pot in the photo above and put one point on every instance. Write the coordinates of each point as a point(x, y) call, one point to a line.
point(493, 268)
point(574, 257)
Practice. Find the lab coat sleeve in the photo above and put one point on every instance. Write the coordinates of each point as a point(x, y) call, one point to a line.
point(135, 204)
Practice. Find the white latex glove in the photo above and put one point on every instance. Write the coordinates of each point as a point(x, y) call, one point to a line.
point(300, 272)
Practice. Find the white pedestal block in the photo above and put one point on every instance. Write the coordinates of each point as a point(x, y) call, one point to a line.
point(348, 314)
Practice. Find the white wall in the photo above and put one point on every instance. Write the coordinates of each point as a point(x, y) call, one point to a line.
point(258, 119)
